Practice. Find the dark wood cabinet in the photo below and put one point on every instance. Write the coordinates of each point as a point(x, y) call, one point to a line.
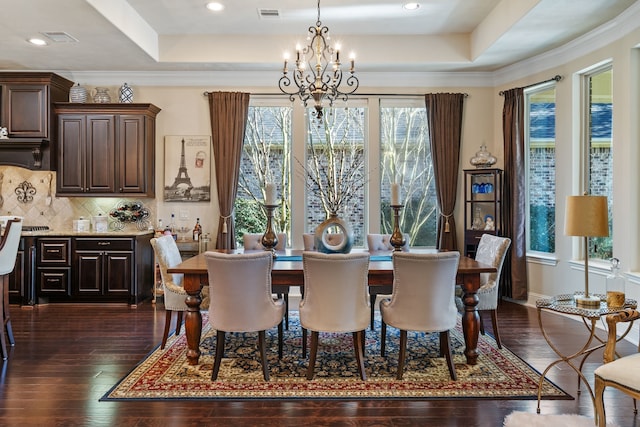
point(483, 206)
point(17, 277)
point(103, 268)
point(26, 110)
point(53, 260)
point(106, 149)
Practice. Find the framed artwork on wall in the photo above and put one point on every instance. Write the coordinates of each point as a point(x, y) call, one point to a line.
point(187, 168)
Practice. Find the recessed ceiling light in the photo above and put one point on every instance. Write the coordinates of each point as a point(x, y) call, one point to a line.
point(215, 6)
point(411, 6)
point(36, 41)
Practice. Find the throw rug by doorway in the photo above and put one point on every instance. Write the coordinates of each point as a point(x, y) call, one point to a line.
point(165, 374)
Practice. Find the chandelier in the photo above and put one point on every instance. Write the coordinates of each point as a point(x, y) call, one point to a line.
point(318, 74)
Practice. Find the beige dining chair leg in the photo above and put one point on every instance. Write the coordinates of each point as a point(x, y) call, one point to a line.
point(312, 354)
point(402, 353)
point(304, 342)
point(219, 354)
point(494, 323)
point(358, 349)
point(383, 339)
point(263, 355)
point(280, 340)
point(7, 313)
point(445, 347)
point(167, 324)
point(372, 302)
point(179, 322)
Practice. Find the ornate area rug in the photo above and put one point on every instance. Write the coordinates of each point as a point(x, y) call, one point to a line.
point(165, 374)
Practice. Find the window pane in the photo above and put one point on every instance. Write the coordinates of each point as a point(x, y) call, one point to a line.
point(405, 157)
point(266, 157)
point(541, 168)
point(600, 144)
point(335, 168)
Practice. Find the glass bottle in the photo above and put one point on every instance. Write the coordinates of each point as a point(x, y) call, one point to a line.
point(615, 285)
point(197, 230)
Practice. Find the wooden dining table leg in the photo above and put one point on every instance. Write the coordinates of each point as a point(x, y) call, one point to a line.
point(193, 318)
point(470, 317)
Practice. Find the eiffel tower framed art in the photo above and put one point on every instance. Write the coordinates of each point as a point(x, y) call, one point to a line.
point(187, 168)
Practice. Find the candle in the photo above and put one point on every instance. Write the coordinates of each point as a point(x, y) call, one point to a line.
point(270, 194)
point(395, 194)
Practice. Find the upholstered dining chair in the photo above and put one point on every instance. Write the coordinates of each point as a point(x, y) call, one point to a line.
point(8, 253)
point(253, 241)
point(491, 250)
point(240, 285)
point(167, 255)
point(422, 300)
point(381, 243)
point(335, 300)
point(621, 373)
point(309, 240)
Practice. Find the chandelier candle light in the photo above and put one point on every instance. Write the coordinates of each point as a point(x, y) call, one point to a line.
point(586, 216)
point(318, 73)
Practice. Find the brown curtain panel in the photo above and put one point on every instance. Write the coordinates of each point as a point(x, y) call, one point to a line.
point(514, 277)
point(444, 115)
point(229, 111)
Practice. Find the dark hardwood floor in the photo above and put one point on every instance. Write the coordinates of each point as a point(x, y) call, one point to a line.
point(66, 357)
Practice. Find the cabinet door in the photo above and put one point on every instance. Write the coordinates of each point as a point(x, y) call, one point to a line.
point(88, 273)
point(118, 273)
point(101, 152)
point(24, 110)
point(71, 154)
point(131, 154)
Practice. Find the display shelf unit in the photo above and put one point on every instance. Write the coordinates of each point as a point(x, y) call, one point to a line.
point(483, 206)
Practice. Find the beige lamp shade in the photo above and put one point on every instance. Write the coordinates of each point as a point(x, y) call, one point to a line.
point(586, 216)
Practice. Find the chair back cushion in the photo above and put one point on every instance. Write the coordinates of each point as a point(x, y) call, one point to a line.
point(167, 256)
point(335, 292)
point(240, 289)
point(253, 241)
point(382, 242)
point(9, 243)
point(492, 250)
point(423, 292)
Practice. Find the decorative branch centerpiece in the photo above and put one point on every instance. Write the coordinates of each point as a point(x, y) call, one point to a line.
point(334, 172)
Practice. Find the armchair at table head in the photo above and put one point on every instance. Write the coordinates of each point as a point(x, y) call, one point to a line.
point(621, 373)
point(9, 243)
point(335, 300)
point(253, 241)
point(491, 250)
point(167, 255)
point(422, 300)
point(240, 285)
point(382, 242)
point(309, 240)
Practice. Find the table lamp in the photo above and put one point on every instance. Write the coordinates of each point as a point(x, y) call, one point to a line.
point(586, 216)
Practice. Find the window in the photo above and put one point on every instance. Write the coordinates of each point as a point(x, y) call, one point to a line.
point(599, 149)
point(336, 165)
point(266, 157)
point(405, 158)
point(540, 138)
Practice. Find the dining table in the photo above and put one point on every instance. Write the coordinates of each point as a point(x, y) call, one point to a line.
point(288, 272)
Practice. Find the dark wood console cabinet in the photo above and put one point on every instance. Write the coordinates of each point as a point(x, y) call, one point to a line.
point(106, 149)
point(91, 269)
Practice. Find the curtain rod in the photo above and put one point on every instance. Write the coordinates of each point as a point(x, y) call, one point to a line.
point(466, 95)
point(555, 78)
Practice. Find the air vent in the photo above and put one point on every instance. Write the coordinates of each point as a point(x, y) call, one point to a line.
point(60, 37)
point(269, 13)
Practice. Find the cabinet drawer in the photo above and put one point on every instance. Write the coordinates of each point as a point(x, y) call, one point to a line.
point(54, 252)
point(104, 244)
point(54, 281)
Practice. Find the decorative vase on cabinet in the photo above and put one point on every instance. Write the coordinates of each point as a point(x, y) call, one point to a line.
point(102, 96)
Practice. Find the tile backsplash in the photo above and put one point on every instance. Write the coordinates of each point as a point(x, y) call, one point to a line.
point(57, 212)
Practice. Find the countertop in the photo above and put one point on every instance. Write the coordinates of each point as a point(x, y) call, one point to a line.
point(71, 233)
